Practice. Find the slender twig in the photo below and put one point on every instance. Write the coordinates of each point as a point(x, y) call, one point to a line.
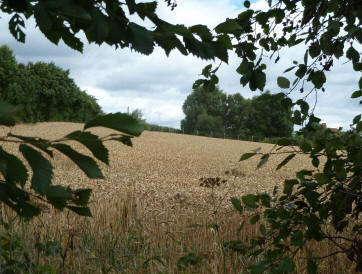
point(323, 257)
point(339, 237)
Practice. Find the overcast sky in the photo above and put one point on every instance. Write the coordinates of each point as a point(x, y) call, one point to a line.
point(159, 85)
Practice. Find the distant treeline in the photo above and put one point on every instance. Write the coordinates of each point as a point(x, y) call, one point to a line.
point(44, 91)
point(138, 115)
point(153, 127)
point(217, 114)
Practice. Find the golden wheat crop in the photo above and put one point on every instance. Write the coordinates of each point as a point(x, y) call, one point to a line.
point(165, 166)
point(157, 181)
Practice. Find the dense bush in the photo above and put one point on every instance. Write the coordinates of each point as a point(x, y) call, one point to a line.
point(217, 114)
point(45, 92)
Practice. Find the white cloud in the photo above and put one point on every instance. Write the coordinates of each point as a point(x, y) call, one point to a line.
point(159, 85)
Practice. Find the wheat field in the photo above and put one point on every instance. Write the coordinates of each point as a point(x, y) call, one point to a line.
point(150, 209)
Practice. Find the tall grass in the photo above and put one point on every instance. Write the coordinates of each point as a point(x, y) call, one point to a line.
point(125, 237)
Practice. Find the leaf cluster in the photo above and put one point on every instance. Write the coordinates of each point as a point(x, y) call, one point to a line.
point(108, 22)
point(38, 153)
point(328, 195)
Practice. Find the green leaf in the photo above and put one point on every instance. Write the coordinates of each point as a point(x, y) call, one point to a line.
point(288, 186)
point(265, 199)
point(146, 9)
point(254, 219)
point(338, 49)
point(283, 82)
point(18, 6)
point(81, 196)
point(168, 42)
point(12, 168)
point(353, 54)
point(321, 178)
point(263, 160)
point(286, 103)
point(284, 142)
point(225, 39)
point(16, 23)
point(297, 238)
point(301, 71)
point(304, 107)
point(246, 156)
point(289, 69)
point(359, 125)
point(297, 118)
point(141, 39)
point(286, 266)
point(360, 83)
point(259, 267)
point(306, 57)
point(247, 4)
point(58, 196)
point(131, 6)
point(220, 51)
point(245, 67)
point(262, 229)
point(117, 121)
point(237, 204)
point(98, 29)
point(312, 267)
point(245, 16)
point(92, 142)
point(356, 94)
point(85, 163)
point(124, 139)
point(229, 26)
point(315, 161)
point(206, 70)
point(41, 167)
point(250, 201)
point(27, 210)
point(198, 83)
point(357, 66)
point(285, 161)
point(318, 78)
point(42, 17)
point(202, 31)
point(257, 80)
point(71, 40)
point(82, 211)
point(77, 12)
point(35, 141)
point(53, 36)
point(314, 50)
point(202, 50)
point(356, 119)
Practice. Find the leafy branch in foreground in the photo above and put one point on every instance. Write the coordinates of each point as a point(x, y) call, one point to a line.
point(320, 204)
point(38, 152)
point(323, 203)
